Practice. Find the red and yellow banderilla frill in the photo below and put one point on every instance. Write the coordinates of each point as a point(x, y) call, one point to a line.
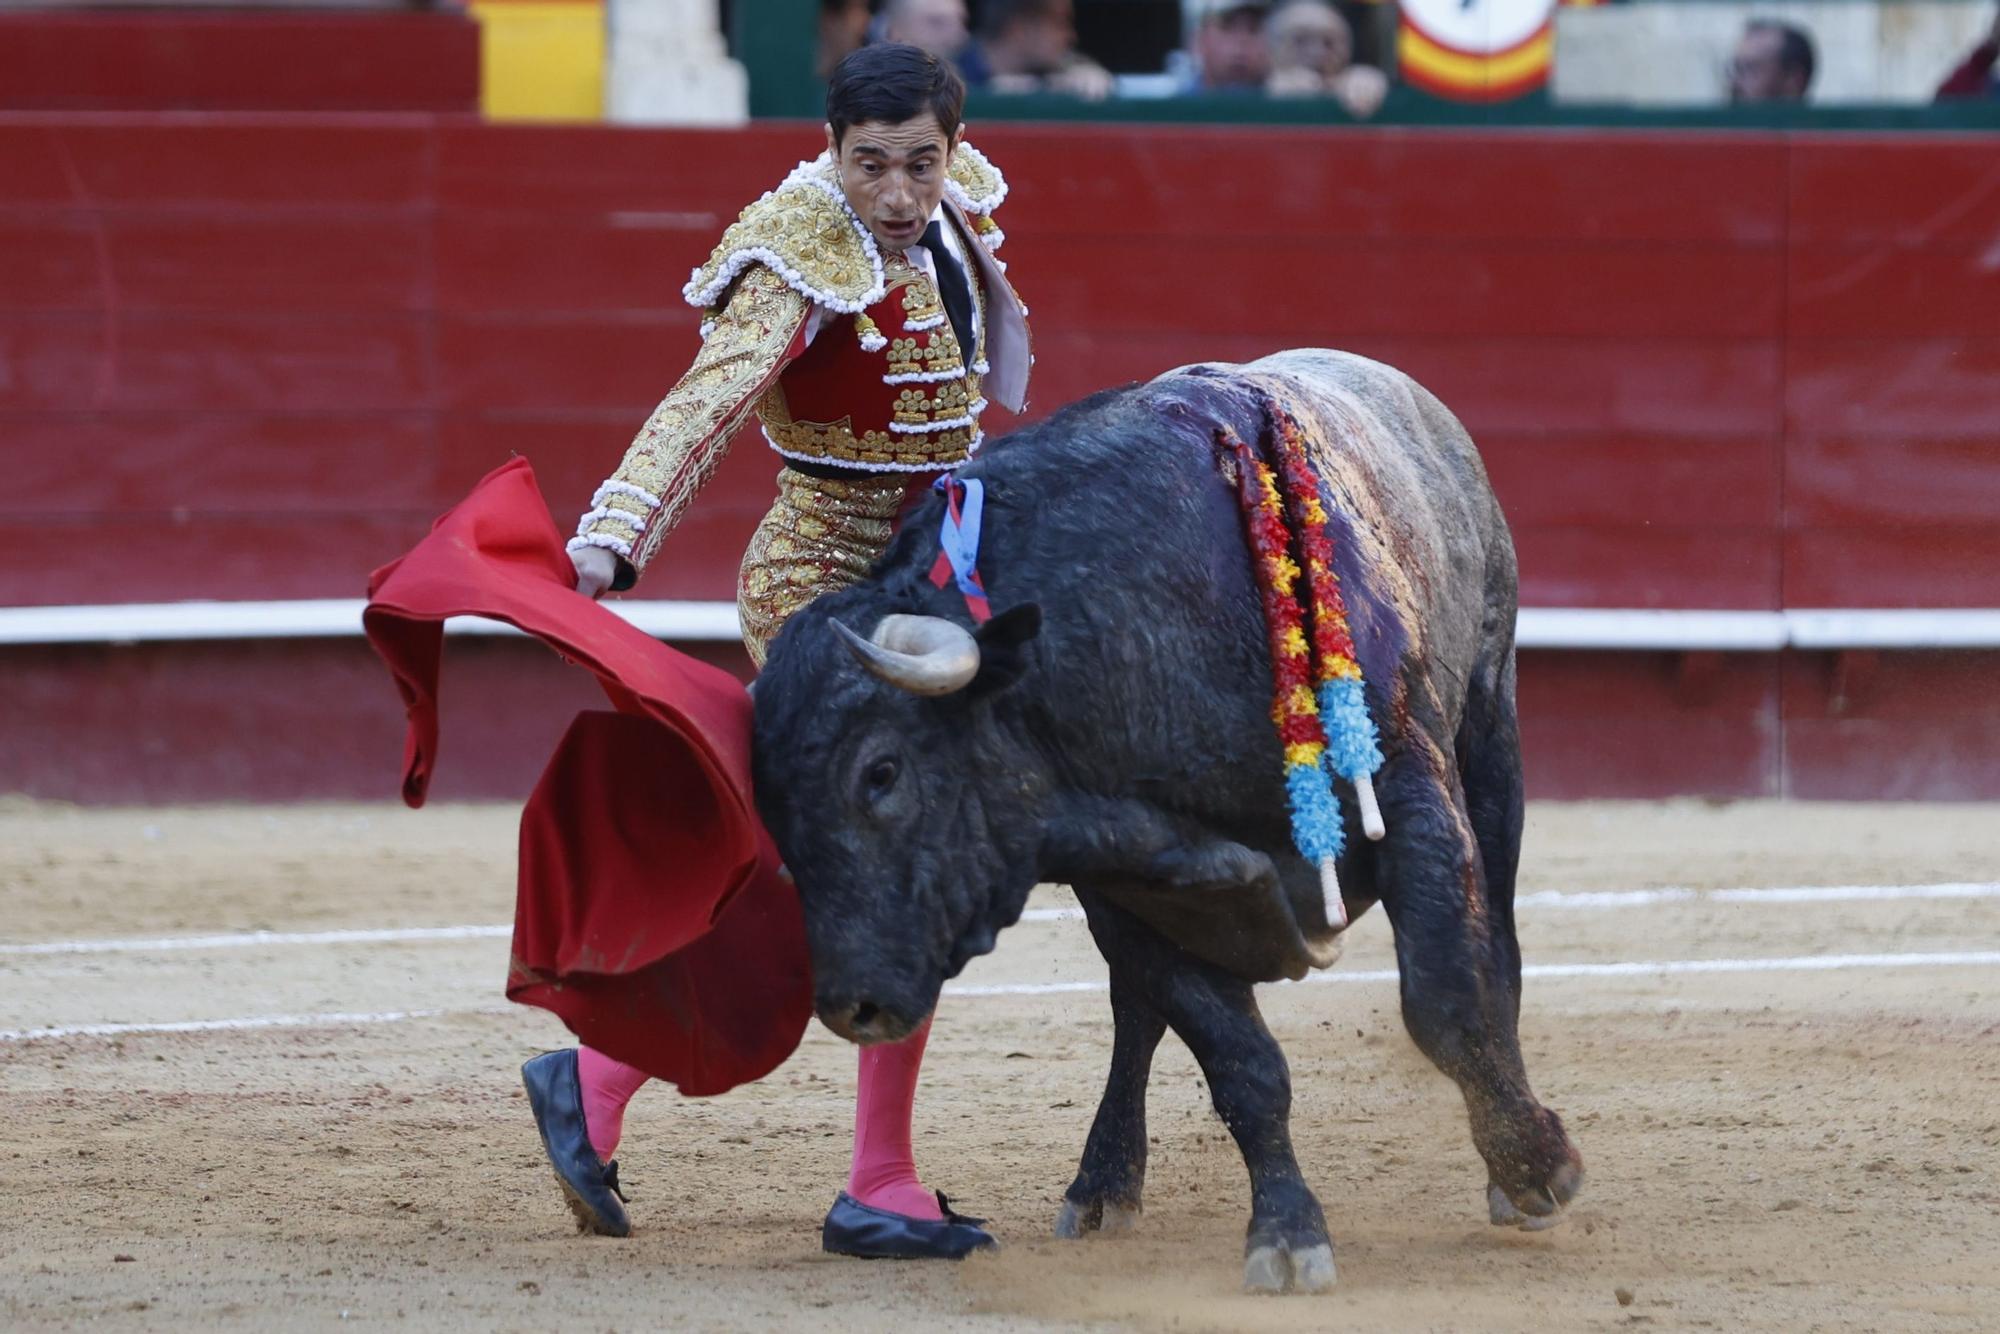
point(1319, 728)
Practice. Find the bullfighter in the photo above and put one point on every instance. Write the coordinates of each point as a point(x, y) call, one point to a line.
point(859, 312)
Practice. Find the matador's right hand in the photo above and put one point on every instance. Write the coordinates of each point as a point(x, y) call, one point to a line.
point(595, 569)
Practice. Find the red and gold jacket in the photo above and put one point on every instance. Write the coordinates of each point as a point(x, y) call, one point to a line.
point(880, 385)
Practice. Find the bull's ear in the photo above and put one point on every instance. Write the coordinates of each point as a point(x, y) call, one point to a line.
point(1003, 647)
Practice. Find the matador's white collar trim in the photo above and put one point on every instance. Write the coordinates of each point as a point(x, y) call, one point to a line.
point(814, 175)
point(971, 171)
point(975, 166)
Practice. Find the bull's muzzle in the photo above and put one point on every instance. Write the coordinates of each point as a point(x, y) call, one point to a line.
point(865, 1022)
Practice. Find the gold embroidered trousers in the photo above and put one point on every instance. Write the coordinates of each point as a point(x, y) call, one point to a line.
point(821, 535)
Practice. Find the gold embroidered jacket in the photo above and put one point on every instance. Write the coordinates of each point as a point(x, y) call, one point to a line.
point(797, 248)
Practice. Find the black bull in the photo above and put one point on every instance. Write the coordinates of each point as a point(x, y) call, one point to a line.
point(1111, 729)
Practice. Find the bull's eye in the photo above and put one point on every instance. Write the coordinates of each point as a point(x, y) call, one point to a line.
point(881, 778)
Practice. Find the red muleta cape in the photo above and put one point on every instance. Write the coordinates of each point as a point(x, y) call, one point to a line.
point(651, 913)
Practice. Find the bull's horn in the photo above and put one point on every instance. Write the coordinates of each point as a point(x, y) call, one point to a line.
point(925, 655)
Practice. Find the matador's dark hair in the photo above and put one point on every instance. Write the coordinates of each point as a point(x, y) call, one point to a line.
point(894, 82)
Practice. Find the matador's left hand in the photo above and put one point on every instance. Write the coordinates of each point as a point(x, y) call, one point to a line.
point(595, 569)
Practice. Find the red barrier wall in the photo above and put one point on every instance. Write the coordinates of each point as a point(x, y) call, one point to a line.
point(235, 59)
point(252, 356)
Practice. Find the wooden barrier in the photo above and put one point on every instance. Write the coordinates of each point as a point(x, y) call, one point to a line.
point(100, 58)
point(251, 357)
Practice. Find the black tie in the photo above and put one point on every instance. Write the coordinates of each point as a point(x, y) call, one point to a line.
point(951, 286)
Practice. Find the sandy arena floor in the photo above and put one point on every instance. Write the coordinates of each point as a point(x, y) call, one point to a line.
point(1805, 1137)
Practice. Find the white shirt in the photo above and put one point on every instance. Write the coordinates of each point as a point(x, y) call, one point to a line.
point(920, 259)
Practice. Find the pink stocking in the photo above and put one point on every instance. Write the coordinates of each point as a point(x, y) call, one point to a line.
point(607, 1086)
point(885, 1171)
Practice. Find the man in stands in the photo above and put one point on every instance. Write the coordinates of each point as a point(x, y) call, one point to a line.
point(1229, 48)
point(857, 311)
point(1774, 62)
point(1029, 46)
point(1312, 55)
point(843, 30)
point(938, 26)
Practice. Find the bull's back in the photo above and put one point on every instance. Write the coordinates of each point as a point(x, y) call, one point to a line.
point(1411, 504)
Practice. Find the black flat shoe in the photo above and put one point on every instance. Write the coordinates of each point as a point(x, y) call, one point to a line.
point(854, 1228)
point(589, 1184)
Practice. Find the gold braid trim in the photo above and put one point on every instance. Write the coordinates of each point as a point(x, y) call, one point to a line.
point(683, 442)
point(804, 232)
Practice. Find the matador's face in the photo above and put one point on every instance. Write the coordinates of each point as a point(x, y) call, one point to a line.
point(894, 174)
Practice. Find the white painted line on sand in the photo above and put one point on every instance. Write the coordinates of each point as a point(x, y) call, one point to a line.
point(1598, 899)
point(1815, 963)
point(253, 939)
point(1811, 963)
point(1646, 898)
point(1981, 889)
point(222, 1025)
point(1030, 989)
point(1633, 968)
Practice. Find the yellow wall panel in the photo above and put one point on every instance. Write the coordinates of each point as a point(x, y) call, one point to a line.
point(541, 59)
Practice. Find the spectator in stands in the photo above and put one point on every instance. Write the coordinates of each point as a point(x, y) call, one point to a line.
point(1029, 46)
point(1975, 78)
point(1312, 55)
point(1774, 62)
point(1230, 54)
point(843, 29)
point(936, 26)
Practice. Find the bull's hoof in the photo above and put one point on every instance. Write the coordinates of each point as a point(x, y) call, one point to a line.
point(1539, 1207)
point(1275, 1268)
point(1501, 1212)
point(1109, 1217)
